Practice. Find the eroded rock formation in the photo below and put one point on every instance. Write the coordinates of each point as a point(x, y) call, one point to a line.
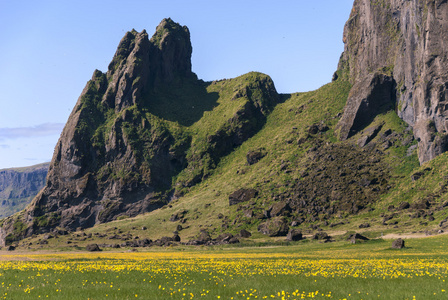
point(407, 43)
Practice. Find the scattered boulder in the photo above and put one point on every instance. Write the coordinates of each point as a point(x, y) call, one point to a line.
point(294, 235)
point(277, 226)
point(242, 195)
point(224, 238)
point(317, 128)
point(178, 216)
point(245, 234)
point(416, 176)
point(364, 225)
point(254, 156)
point(404, 205)
point(234, 240)
point(93, 247)
point(176, 238)
point(321, 236)
point(398, 244)
point(353, 238)
point(368, 135)
point(279, 208)
point(422, 204)
point(248, 213)
point(204, 236)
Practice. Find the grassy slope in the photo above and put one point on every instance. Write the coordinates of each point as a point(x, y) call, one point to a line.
point(288, 123)
point(285, 125)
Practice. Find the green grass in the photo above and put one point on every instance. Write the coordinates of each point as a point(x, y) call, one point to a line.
point(370, 270)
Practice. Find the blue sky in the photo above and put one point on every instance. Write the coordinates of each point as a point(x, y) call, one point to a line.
point(49, 50)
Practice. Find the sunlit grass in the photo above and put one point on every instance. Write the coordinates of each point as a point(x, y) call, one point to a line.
point(319, 271)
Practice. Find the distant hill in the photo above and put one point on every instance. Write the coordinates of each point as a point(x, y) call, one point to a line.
point(18, 186)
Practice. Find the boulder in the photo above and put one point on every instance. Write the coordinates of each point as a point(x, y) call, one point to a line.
point(176, 238)
point(245, 234)
point(364, 225)
point(242, 195)
point(354, 238)
point(204, 236)
point(93, 247)
point(317, 128)
point(321, 236)
point(254, 156)
point(277, 226)
point(178, 215)
point(404, 205)
point(398, 244)
point(279, 208)
point(294, 235)
point(234, 240)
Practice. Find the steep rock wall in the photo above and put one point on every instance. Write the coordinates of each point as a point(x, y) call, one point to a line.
point(122, 153)
point(408, 41)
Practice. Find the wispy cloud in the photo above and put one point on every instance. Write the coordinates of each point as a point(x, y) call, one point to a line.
point(45, 129)
point(3, 146)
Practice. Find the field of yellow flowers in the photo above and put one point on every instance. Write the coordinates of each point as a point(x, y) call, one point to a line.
point(338, 271)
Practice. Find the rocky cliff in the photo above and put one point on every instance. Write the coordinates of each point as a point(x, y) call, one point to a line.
point(143, 133)
point(18, 186)
point(396, 57)
point(147, 133)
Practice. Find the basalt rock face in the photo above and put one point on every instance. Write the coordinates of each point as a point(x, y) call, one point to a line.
point(127, 148)
point(405, 42)
point(98, 170)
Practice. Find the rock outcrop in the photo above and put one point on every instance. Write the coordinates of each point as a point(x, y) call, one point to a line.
point(126, 148)
point(18, 186)
point(396, 52)
point(99, 170)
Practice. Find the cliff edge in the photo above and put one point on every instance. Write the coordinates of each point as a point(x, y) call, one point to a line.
point(396, 58)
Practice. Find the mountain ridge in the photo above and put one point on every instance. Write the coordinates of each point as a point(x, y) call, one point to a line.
point(19, 185)
point(149, 141)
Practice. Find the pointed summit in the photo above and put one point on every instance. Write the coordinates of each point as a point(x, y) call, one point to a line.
point(174, 58)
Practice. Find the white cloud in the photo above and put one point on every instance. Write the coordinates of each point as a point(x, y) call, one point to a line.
point(45, 129)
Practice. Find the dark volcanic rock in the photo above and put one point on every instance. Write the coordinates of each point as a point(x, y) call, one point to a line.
point(397, 49)
point(367, 98)
point(354, 238)
point(113, 159)
point(245, 234)
point(93, 247)
point(277, 226)
point(242, 195)
point(178, 216)
point(279, 208)
point(349, 183)
point(254, 156)
point(321, 236)
point(398, 244)
point(294, 235)
point(404, 205)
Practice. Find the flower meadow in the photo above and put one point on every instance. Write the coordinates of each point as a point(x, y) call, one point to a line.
point(236, 274)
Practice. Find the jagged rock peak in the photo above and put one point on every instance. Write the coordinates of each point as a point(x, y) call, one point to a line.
point(408, 42)
point(141, 65)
